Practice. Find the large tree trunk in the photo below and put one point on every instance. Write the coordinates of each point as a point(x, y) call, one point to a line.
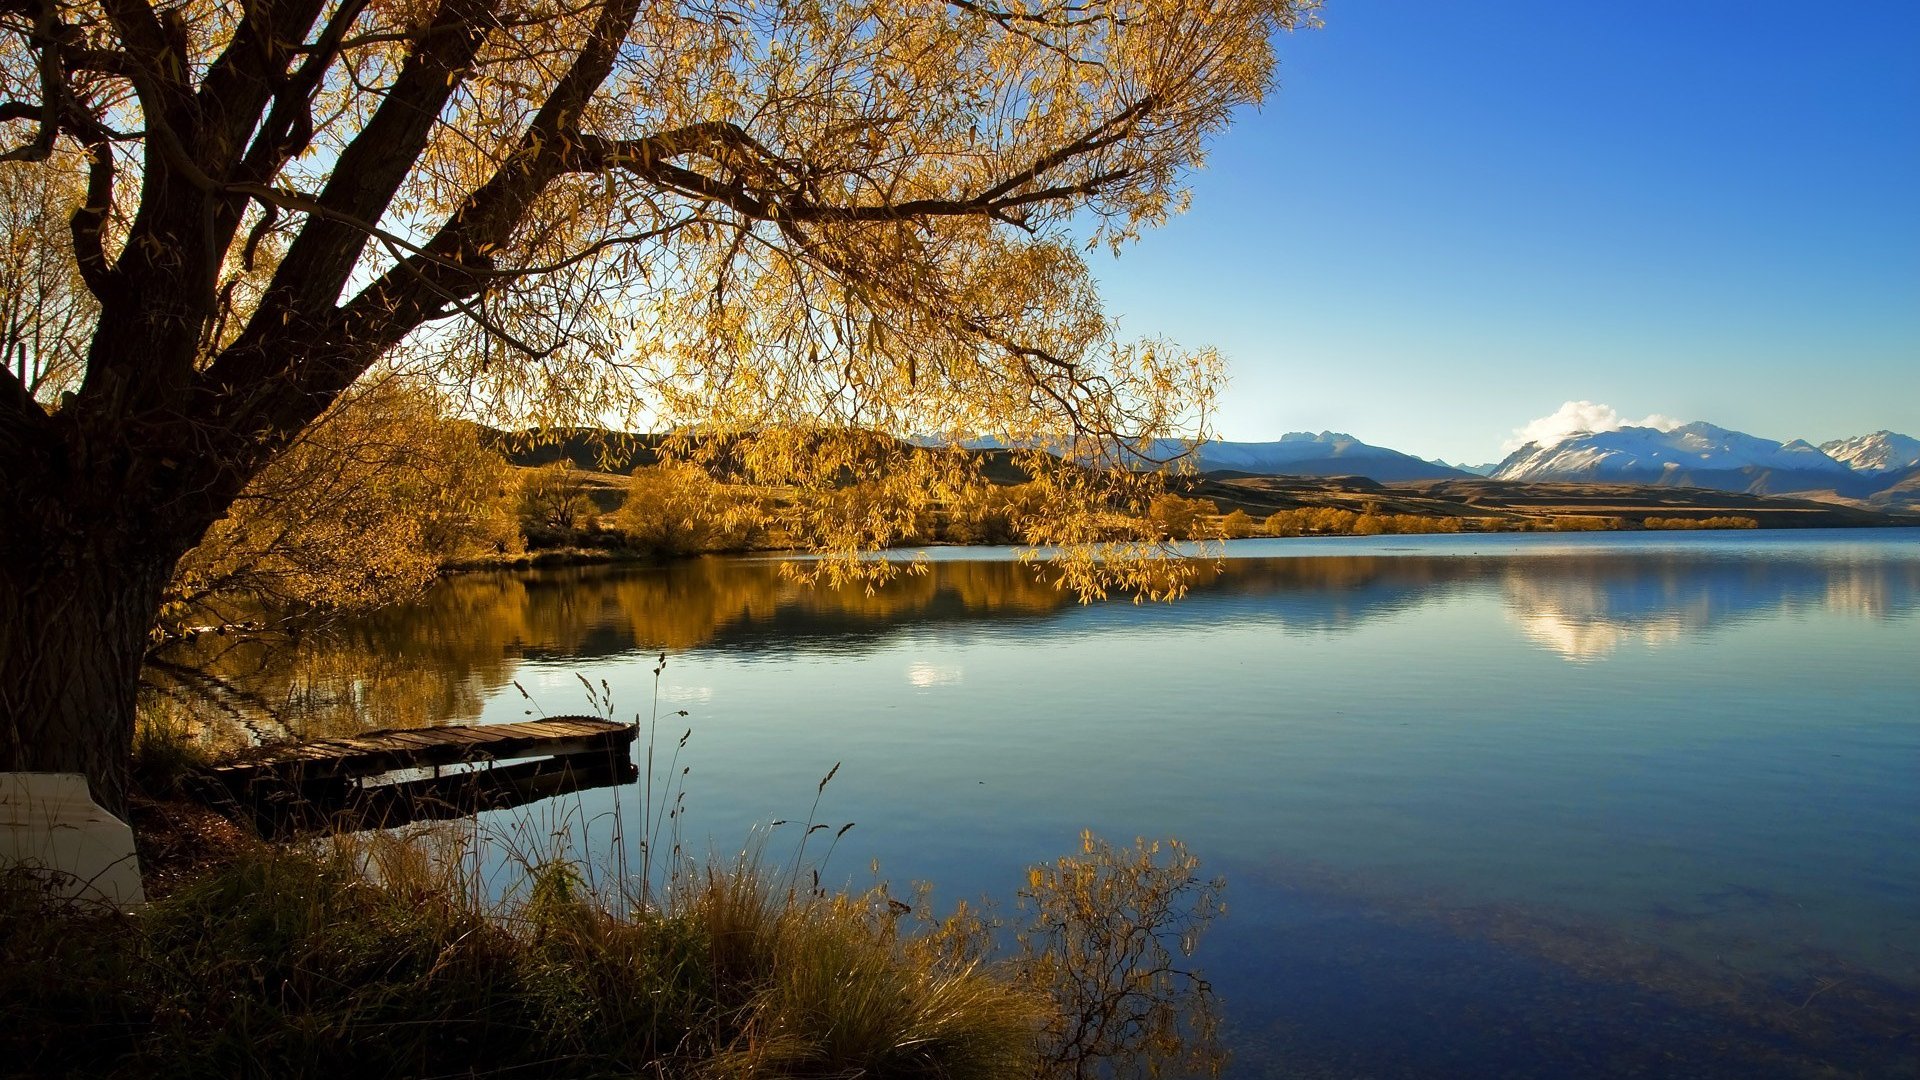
point(75, 611)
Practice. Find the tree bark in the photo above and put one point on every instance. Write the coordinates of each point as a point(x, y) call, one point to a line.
point(76, 605)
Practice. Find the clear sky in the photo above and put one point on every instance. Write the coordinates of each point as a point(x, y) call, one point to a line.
point(1454, 217)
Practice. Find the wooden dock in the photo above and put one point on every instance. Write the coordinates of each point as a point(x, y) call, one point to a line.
point(345, 783)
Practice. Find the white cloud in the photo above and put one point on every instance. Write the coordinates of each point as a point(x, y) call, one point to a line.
point(1580, 418)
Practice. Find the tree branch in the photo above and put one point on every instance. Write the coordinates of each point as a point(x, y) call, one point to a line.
point(89, 220)
point(373, 166)
point(732, 148)
point(53, 87)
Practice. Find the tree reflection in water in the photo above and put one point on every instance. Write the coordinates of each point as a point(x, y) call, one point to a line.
point(438, 660)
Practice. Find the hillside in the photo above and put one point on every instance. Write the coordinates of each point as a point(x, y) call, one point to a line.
point(1519, 503)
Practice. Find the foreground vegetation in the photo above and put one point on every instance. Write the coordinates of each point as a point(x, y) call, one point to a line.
point(455, 950)
point(383, 956)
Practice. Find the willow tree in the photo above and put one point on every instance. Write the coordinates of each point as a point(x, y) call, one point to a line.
point(860, 214)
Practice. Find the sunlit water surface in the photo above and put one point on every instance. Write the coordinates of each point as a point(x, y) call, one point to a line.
point(1486, 805)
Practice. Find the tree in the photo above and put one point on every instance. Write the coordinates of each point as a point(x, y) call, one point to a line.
point(833, 213)
point(554, 500)
point(676, 508)
point(1180, 518)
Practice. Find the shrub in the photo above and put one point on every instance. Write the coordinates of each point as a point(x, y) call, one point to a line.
point(992, 515)
point(676, 508)
point(1721, 522)
point(553, 500)
point(1332, 521)
point(1179, 518)
point(1579, 523)
point(1107, 939)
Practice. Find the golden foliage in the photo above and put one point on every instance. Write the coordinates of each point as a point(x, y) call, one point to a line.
point(1106, 938)
point(676, 508)
point(1585, 523)
point(553, 500)
point(1333, 521)
point(364, 509)
point(825, 224)
point(993, 514)
point(45, 307)
point(1175, 517)
point(1726, 521)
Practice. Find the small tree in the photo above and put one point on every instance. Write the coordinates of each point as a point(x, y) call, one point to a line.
point(1236, 525)
point(1286, 523)
point(677, 508)
point(554, 502)
point(1179, 518)
point(1108, 940)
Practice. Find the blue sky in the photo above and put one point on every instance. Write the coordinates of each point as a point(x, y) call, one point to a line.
point(1454, 217)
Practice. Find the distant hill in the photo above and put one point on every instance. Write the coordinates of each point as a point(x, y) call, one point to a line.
point(1483, 469)
point(1303, 453)
point(1520, 502)
point(1901, 495)
point(592, 449)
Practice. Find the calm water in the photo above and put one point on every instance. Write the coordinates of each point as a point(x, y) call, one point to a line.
point(1494, 806)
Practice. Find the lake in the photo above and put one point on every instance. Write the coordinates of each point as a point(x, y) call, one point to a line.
point(1489, 805)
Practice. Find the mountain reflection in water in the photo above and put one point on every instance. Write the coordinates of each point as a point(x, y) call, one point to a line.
point(438, 660)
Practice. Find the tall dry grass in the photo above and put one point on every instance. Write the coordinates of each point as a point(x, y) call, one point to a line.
point(491, 949)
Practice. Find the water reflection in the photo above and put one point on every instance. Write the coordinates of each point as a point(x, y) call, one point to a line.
point(439, 660)
point(1587, 607)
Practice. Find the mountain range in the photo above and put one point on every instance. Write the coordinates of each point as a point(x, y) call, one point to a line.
point(1882, 451)
point(1702, 455)
point(1881, 469)
point(1303, 453)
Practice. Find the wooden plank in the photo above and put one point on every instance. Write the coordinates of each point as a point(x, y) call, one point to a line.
point(402, 748)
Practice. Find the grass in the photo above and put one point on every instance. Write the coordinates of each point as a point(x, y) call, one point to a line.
point(471, 950)
point(374, 957)
point(413, 954)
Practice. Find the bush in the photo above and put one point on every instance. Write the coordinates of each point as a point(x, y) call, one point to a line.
point(1723, 522)
point(1236, 525)
point(1176, 517)
point(554, 500)
point(1108, 935)
point(676, 508)
point(991, 515)
point(1332, 521)
point(1578, 523)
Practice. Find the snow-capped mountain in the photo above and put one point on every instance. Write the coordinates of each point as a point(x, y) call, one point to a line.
point(1303, 453)
point(1881, 452)
point(1696, 455)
